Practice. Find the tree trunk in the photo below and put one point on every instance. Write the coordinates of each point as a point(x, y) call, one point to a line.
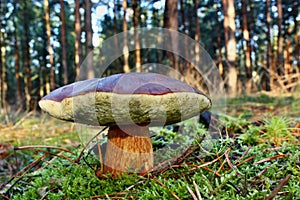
point(247, 38)
point(19, 102)
point(288, 51)
point(269, 80)
point(230, 43)
point(116, 39)
point(3, 86)
point(220, 56)
point(197, 33)
point(186, 50)
point(28, 83)
point(43, 71)
point(50, 48)
point(280, 68)
point(171, 22)
point(78, 47)
point(137, 46)
point(296, 5)
point(89, 40)
point(125, 39)
point(63, 42)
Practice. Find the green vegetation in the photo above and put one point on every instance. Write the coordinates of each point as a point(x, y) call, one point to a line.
point(252, 160)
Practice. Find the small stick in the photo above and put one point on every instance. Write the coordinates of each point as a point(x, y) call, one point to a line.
point(271, 158)
point(22, 119)
point(24, 170)
point(205, 168)
point(261, 172)
point(227, 158)
point(87, 144)
point(53, 154)
point(41, 146)
point(215, 173)
point(197, 190)
point(221, 167)
point(46, 194)
point(115, 196)
point(276, 190)
point(50, 161)
point(174, 161)
point(171, 192)
point(192, 193)
point(132, 186)
point(244, 154)
point(258, 175)
point(246, 160)
point(208, 163)
point(100, 154)
point(4, 197)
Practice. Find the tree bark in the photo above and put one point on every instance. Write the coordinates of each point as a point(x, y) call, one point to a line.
point(78, 47)
point(288, 51)
point(116, 39)
point(125, 39)
point(296, 5)
point(45, 71)
point(197, 33)
point(137, 46)
point(230, 44)
point(220, 56)
point(2, 71)
point(280, 67)
point(63, 42)
point(186, 50)
point(269, 79)
point(50, 48)
point(171, 22)
point(89, 40)
point(19, 102)
point(247, 38)
point(28, 83)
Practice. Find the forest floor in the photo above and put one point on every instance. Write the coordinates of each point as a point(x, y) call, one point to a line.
point(257, 156)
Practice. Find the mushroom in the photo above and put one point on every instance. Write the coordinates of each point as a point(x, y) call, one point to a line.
point(129, 104)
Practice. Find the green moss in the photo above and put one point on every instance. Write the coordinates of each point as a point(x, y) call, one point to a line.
point(248, 147)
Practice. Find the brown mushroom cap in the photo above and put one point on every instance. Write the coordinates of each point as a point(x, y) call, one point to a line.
point(131, 98)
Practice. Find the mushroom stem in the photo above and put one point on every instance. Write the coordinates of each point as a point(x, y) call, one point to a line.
point(129, 149)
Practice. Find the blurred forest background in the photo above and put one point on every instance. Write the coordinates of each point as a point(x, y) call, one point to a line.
point(254, 43)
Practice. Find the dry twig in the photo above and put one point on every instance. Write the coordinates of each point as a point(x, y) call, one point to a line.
point(118, 195)
point(41, 146)
point(271, 158)
point(197, 190)
point(25, 170)
point(87, 144)
point(192, 193)
point(173, 161)
point(243, 156)
point(4, 197)
point(276, 190)
point(171, 192)
point(246, 160)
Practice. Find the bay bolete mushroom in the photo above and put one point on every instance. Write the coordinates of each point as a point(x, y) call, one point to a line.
point(128, 103)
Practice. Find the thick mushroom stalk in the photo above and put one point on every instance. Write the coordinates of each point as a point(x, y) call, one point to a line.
point(128, 152)
point(127, 103)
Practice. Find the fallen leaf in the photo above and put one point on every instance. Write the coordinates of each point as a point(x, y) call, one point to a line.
point(4, 150)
